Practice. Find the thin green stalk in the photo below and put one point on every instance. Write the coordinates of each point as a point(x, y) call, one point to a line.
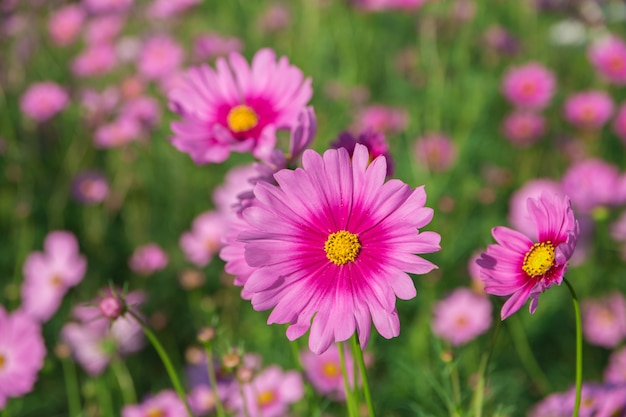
point(124, 380)
point(243, 399)
point(104, 398)
point(526, 355)
point(358, 354)
point(71, 387)
point(456, 386)
point(166, 362)
point(219, 407)
point(479, 391)
point(579, 348)
point(352, 412)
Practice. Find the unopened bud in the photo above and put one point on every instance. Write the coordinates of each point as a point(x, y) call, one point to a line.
point(206, 334)
point(231, 360)
point(111, 307)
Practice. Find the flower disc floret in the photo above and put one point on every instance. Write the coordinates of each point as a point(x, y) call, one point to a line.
point(342, 247)
point(539, 259)
point(242, 118)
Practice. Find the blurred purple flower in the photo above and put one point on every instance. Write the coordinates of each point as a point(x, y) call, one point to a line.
point(461, 316)
point(604, 320)
point(90, 187)
point(435, 151)
point(529, 86)
point(588, 109)
point(148, 259)
point(204, 240)
point(374, 141)
point(160, 57)
point(43, 100)
point(117, 133)
point(500, 40)
point(65, 24)
point(324, 371)
point(615, 371)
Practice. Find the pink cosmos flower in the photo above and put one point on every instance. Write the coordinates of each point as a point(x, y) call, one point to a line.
point(117, 133)
point(205, 238)
point(519, 217)
point(65, 23)
point(144, 109)
point(608, 56)
point(497, 38)
point(148, 259)
point(99, 104)
point(236, 182)
point(435, 151)
point(49, 274)
point(269, 394)
point(237, 107)
point(324, 371)
point(97, 59)
point(22, 352)
point(461, 316)
point(160, 56)
point(382, 119)
point(529, 86)
point(618, 228)
point(43, 100)
point(107, 6)
point(90, 187)
point(619, 123)
point(615, 371)
point(163, 9)
point(604, 320)
point(523, 268)
point(334, 242)
point(277, 16)
point(166, 403)
point(374, 141)
point(588, 109)
point(523, 128)
point(593, 183)
point(378, 5)
point(104, 29)
point(211, 45)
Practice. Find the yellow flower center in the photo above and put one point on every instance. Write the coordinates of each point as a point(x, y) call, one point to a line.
point(242, 118)
point(2, 361)
point(342, 247)
point(539, 259)
point(56, 281)
point(330, 369)
point(155, 412)
point(265, 398)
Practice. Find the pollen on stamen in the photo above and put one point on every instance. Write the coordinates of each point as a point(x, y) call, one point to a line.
point(342, 247)
point(539, 259)
point(242, 118)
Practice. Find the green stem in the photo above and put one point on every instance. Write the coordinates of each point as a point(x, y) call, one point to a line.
point(358, 354)
point(71, 387)
point(104, 398)
point(479, 391)
point(526, 355)
point(166, 362)
point(352, 412)
point(579, 348)
point(219, 407)
point(124, 380)
point(242, 392)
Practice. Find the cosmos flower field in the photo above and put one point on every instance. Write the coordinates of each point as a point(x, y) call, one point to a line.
point(312, 208)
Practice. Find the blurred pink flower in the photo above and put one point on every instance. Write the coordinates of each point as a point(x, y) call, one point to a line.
point(205, 238)
point(164, 404)
point(202, 400)
point(163, 9)
point(382, 119)
point(619, 123)
point(104, 29)
point(530, 86)
point(374, 141)
point(324, 371)
point(117, 133)
point(588, 109)
point(160, 57)
point(107, 6)
point(519, 217)
point(145, 109)
point(461, 316)
point(237, 180)
point(95, 60)
point(43, 100)
point(379, 5)
point(593, 183)
point(618, 228)
point(237, 107)
point(608, 56)
point(22, 353)
point(615, 371)
point(212, 45)
point(148, 259)
point(604, 320)
point(49, 274)
point(99, 105)
point(269, 394)
point(90, 187)
point(500, 40)
point(523, 128)
point(275, 17)
point(523, 268)
point(473, 269)
point(435, 151)
point(65, 24)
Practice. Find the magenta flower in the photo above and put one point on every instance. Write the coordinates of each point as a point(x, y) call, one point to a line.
point(608, 56)
point(22, 352)
point(334, 241)
point(435, 151)
point(237, 107)
point(205, 238)
point(588, 109)
point(523, 268)
point(211, 45)
point(97, 59)
point(523, 128)
point(519, 217)
point(43, 100)
point(382, 119)
point(148, 259)
point(107, 6)
point(163, 9)
point(593, 183)
point(379, 5)
point(604, 320)
point(104, 29)
point(529, 86)
point(118, 133)
point(461, 316)
point(49, 274)
point(324, 371)
point(374, 141)
point(160, 56)
point(90, 187)
point(269, 394)
point(166, 404)
point(65, 24)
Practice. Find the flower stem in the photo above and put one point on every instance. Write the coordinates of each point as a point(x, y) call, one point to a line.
point(71, 387)
point(358, 354)
point(244, 400)
point(124, 380)
point(526, 355)
point(166, 362)
point(352, 412)
point(479, 391)
point(579, 348)
point(219, 407)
